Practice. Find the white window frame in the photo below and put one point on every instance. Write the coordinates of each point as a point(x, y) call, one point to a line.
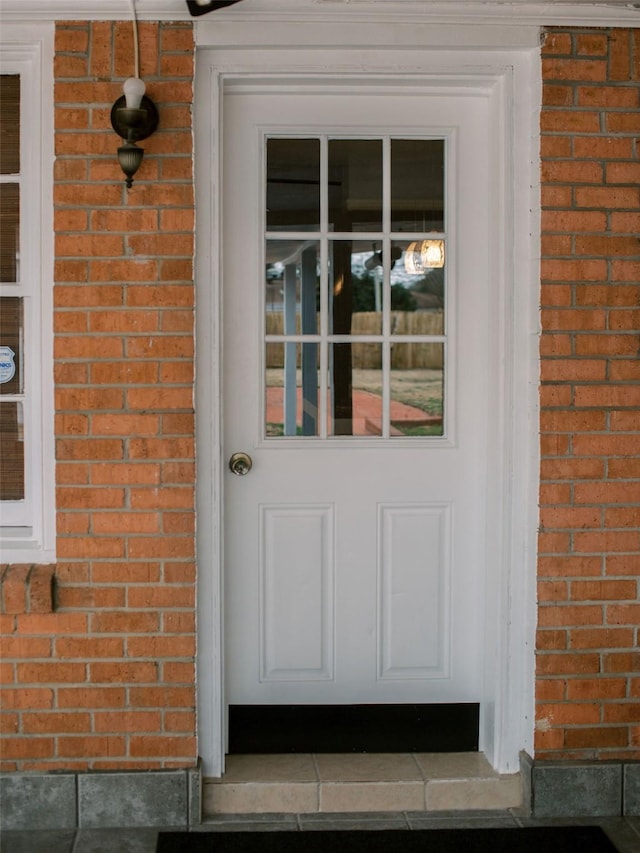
point(27, 528)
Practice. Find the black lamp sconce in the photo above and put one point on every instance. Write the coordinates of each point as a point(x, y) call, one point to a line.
point(201, 7)
point(133, 117)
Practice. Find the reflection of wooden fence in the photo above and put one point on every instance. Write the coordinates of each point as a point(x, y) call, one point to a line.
point(368, 356)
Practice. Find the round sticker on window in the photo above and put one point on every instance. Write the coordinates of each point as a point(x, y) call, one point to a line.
point(7, 365)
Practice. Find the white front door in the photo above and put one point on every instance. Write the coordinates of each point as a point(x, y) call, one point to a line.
point(358, 385)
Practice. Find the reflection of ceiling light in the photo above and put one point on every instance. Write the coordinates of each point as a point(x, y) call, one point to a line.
point(423, 255)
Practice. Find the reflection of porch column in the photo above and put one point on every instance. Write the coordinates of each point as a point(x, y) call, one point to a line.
point(310, 350)
point(290, 348)
point(342, 308)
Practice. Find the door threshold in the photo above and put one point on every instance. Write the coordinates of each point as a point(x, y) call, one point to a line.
point(357, 783)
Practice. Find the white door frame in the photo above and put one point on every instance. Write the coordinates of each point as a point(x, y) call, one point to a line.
point(510, 78)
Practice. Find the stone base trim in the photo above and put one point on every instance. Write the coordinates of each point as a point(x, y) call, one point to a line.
point(595, 789)
point(140, 798)
point(101, 799)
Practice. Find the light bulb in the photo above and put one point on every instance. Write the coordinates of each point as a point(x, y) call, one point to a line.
point(134, 89)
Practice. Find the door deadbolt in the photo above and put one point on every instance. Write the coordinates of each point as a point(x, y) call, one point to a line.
point(240, 463)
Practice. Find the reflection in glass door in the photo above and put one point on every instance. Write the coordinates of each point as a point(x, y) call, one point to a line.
point(355, 287)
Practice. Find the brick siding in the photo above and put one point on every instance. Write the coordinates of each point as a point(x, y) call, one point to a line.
point(26, 589)
point(107, 679)
point(588, 662)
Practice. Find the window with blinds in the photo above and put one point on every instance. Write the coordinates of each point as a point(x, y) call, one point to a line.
point(12, 389)
point(27, 453)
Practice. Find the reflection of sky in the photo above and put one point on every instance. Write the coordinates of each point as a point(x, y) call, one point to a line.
point(398, 273)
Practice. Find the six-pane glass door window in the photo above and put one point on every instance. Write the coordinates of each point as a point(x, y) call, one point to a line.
point(355, 295)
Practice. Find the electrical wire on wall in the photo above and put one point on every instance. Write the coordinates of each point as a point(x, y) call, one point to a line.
point(136, 47)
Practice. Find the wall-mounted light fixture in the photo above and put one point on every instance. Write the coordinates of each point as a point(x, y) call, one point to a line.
point(423, 255)
point(133, 116)
point(201, 7)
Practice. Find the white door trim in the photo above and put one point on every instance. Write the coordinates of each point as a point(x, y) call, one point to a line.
point(507, 703)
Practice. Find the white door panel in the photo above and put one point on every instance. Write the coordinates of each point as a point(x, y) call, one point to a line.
point(354, 566)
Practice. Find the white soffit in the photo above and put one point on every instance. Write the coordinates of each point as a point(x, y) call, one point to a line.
point(554, 12)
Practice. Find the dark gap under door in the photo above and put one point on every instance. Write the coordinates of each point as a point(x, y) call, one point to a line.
point(272, 729)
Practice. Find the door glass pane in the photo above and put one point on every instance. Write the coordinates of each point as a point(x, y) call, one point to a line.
point(292, 389)
point(10, 123)
point(293, 185)
point(11, 452)
point(417, 185)
point(417, 389)
point(355, 288)
point(355, 184)
point(292, 287)
point(355, 389)
point(420, 292)
point(11, 345)
point(9, 232)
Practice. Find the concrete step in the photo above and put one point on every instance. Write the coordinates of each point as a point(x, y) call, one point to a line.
point(412, 782)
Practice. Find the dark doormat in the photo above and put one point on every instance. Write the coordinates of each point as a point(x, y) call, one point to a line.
point(556, 839)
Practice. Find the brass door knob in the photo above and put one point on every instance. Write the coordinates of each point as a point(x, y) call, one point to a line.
point(240, 463)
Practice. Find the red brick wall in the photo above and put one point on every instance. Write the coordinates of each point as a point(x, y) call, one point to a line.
point(107, 679)
point(588, 688)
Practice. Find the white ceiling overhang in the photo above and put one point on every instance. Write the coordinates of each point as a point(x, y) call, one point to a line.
point(554, 12)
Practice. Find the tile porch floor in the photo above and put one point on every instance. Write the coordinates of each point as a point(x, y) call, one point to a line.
point(623, 832)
